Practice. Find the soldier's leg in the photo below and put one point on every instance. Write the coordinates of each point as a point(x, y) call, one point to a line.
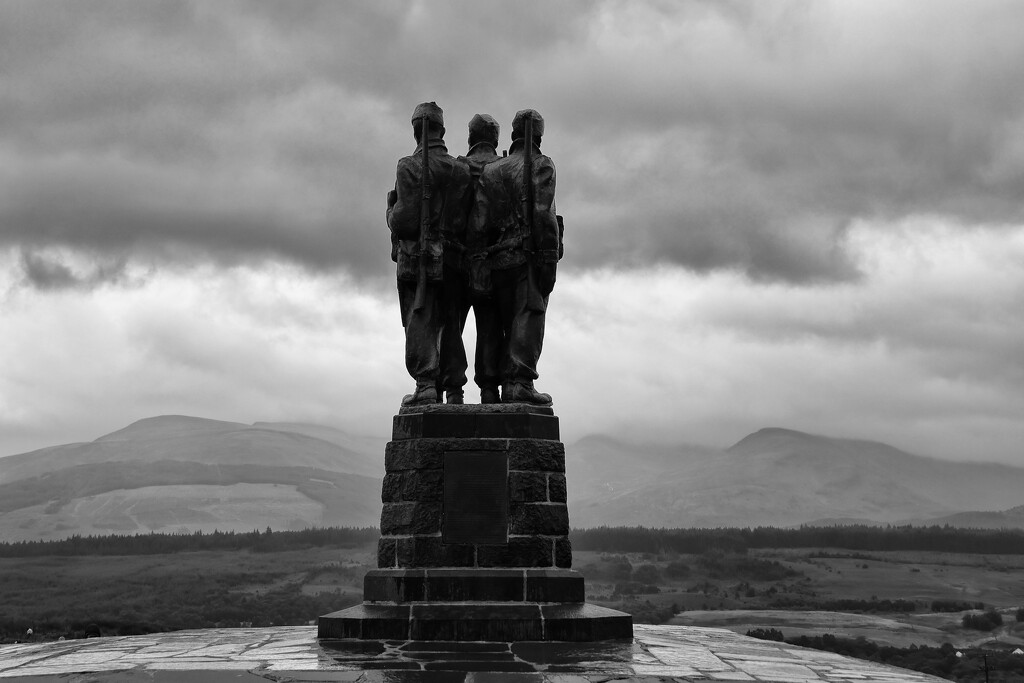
point(488, 349)
point(504, 282)
point(454, 307)
point(525, 341)
point(422, 339)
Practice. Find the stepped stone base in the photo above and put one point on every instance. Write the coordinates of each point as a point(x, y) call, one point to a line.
point(498, 622)
point(475, 535)
point(473, 585)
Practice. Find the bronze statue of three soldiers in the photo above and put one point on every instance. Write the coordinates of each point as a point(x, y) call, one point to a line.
point(478, 231)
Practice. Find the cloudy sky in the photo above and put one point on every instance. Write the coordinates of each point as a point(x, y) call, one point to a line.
point(795, 214)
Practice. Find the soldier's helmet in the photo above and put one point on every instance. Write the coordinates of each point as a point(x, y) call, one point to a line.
point(434, 115)
point(483, 127)
point(519, 123)
point(430, 110)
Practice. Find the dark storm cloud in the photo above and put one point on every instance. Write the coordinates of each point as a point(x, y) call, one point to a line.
point(715, 135)
point(775, 131)
point(46, 272)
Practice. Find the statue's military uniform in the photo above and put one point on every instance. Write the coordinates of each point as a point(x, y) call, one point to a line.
point(433, 263)
point(522, 258)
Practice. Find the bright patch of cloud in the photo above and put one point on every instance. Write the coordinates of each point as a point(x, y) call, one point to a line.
point(921, 352)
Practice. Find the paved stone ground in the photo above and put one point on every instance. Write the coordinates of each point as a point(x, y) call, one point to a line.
point(667, 653)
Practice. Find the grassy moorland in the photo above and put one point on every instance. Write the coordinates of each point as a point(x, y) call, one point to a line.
point(156, 582)
point(129, 584)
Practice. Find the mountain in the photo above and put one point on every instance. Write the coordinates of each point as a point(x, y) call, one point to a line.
point(999, 519)
point(179, 473)
point(778, 477)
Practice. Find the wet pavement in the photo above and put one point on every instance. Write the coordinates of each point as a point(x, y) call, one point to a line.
point(679, 653)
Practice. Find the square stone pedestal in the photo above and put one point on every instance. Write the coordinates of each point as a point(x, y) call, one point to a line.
point(474, 535)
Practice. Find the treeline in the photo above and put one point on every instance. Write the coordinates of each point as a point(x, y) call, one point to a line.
point(158, 543)
point(735, 540)
point(602, 539)
point(184, 602)
point(885, 606)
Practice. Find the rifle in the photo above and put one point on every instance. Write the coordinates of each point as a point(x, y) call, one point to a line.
point(421, 281)
point(534, 299)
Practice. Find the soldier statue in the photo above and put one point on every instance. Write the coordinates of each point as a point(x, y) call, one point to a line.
point(515, 209)
point(483, 146)
point(427, 214)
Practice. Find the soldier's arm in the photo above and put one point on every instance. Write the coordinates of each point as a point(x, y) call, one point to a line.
point(392, 198)
point(405, 213)
point(546, 232)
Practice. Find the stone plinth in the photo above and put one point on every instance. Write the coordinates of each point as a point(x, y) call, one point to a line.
point(288, 653)
point(475, 535)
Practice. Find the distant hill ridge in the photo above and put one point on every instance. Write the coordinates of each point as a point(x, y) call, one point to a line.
point(783, 477)
point(176, 472)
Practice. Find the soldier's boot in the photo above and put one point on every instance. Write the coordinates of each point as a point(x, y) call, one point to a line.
point(489, 394)
point(424, 394)
point(523, 392)
point(454, 397)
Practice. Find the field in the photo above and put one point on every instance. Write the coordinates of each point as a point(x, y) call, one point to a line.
point(887, 597)
point(126, 594)
point(816, 591)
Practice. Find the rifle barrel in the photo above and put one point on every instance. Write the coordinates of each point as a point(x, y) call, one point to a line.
point(421, 281)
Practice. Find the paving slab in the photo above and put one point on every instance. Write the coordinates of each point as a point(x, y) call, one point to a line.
point(292, 654)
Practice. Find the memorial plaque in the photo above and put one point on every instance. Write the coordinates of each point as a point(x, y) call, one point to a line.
point(475, 497)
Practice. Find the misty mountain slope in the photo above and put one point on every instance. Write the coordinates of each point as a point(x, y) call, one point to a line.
point(784, 477)
point(349, 442)
point(170, 426)
point(185, 473)
point(168, 466)
point(1003, 519)
point(189, 439)
point(603, 466)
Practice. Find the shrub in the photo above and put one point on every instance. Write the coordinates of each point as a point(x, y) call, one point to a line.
point(647, 573)
point(986, 621)
point(954, 606)
point(677, 570)
point(634, 588)
point(766, 634)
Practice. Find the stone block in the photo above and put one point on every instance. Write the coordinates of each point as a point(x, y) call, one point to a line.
point(563, 553)
point(474, 426)
point(529, 487)
point(491, 622)
point(536, 454)
point(412, 485)
point(556, 488)
point(366, 622)
point(429, 551)
point(585, 622)
point(517, 426)
point(399, 519)
point(428, 454)
point(394, 585)
point(477, 409)
point(554, 585)
point(478, 585)
point(546, 519)
point(523, 551)
point(386, 552)
point(413, 455)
